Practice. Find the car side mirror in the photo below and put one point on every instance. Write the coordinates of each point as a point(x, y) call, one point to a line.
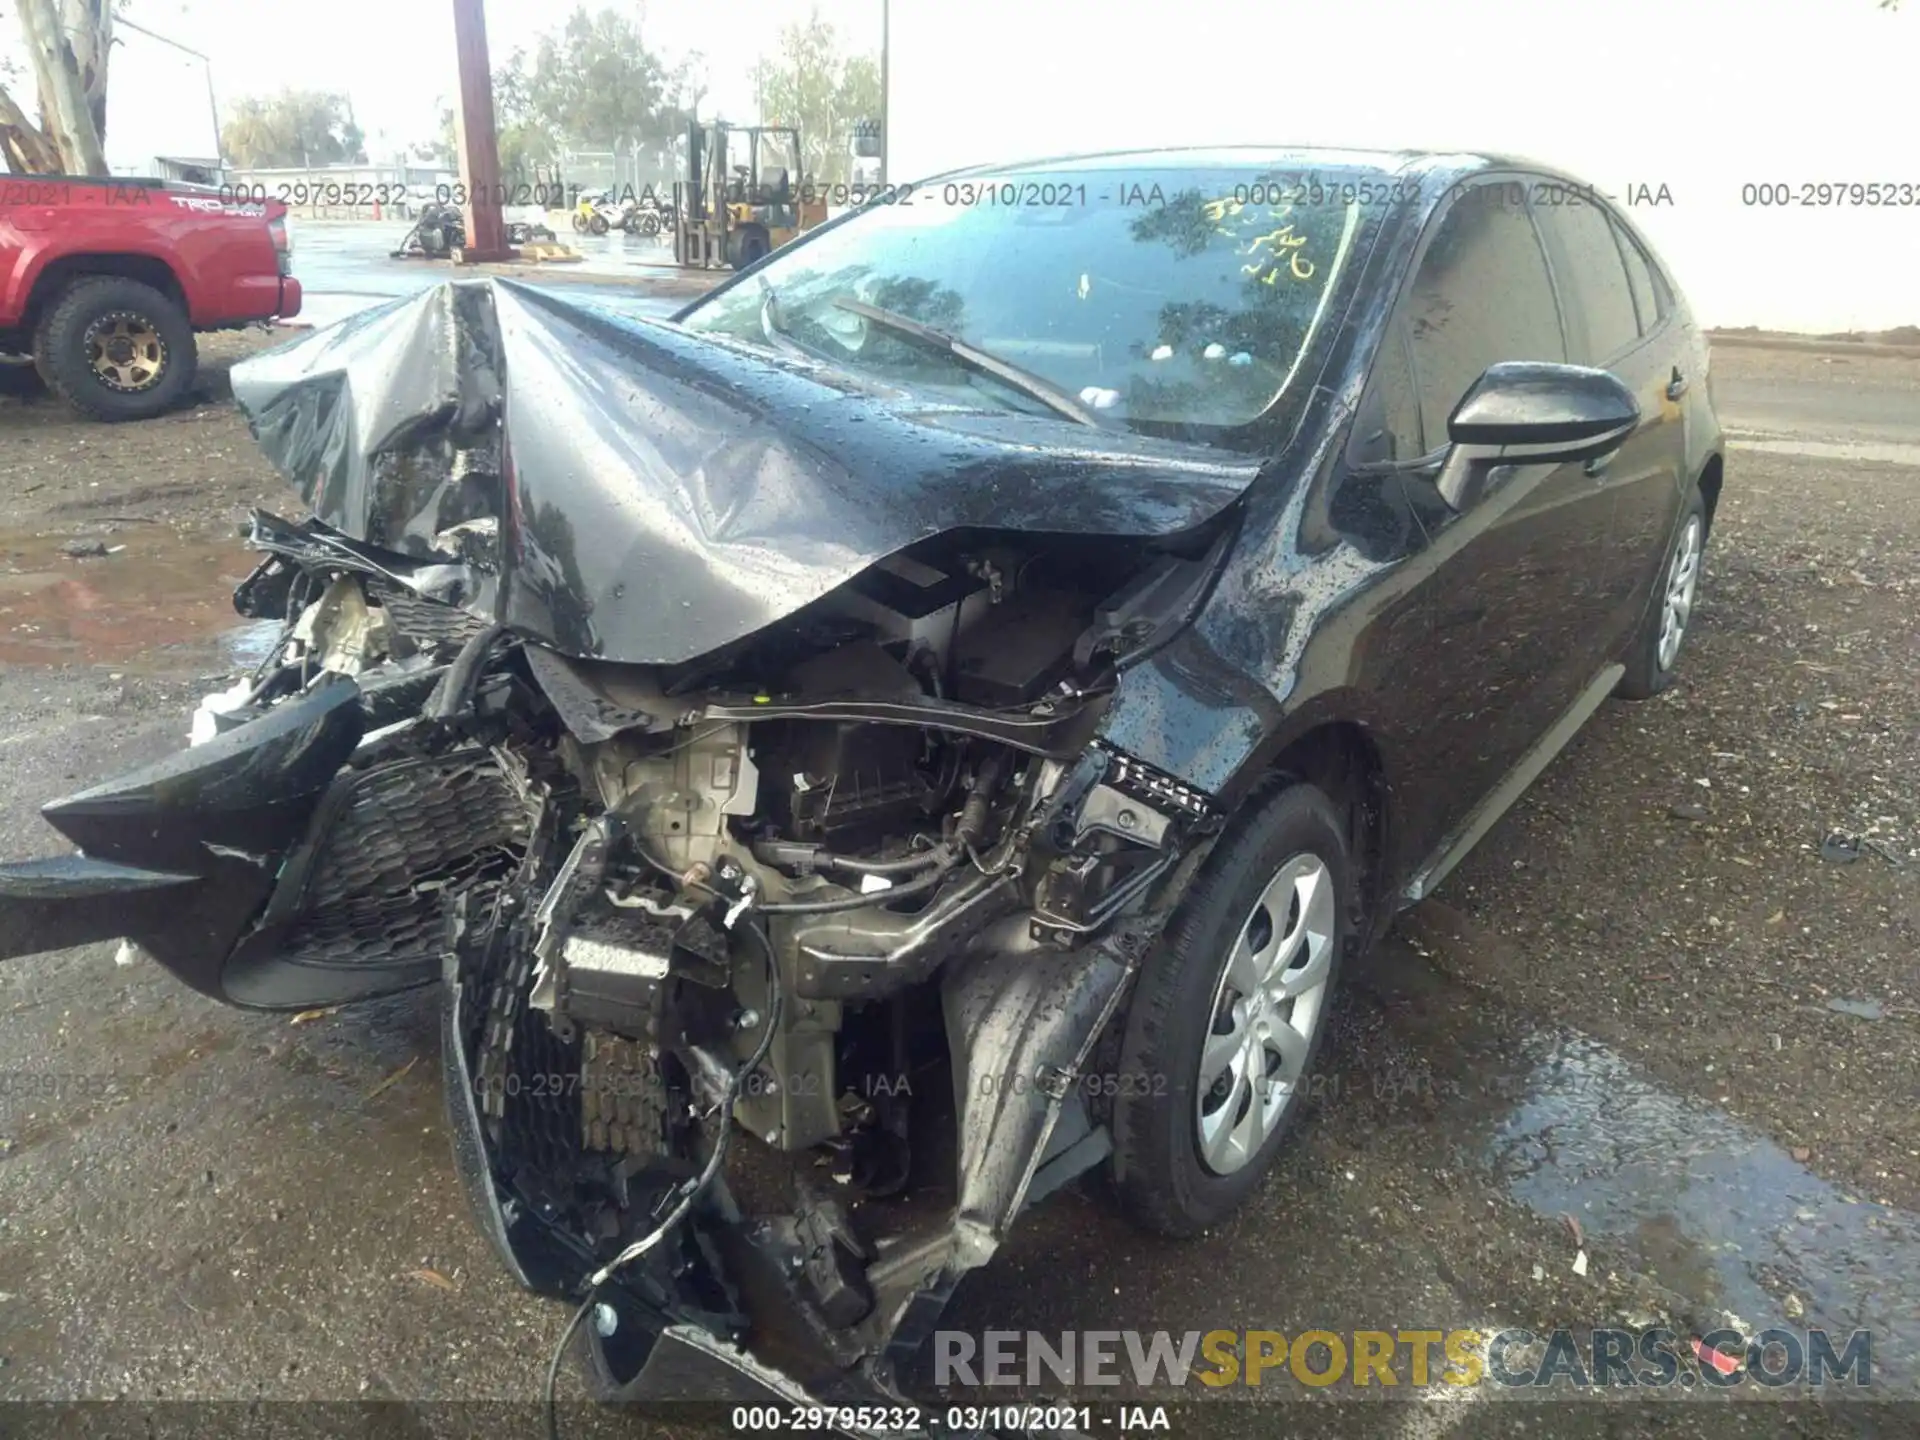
point(1532, 413)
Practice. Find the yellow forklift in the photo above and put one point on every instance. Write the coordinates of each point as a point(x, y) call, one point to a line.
point(743, 195)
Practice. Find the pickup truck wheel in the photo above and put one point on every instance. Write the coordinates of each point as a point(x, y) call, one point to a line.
point(116, 349)
point(1225, 1023)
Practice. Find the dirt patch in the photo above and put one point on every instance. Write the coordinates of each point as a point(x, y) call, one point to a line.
point(119, 543)
point(194, 465)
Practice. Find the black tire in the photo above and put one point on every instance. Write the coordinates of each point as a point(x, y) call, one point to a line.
point(598, 225)
point(1646, 676)
point(1156, 1169)
point(753, 245)
point(62, 349)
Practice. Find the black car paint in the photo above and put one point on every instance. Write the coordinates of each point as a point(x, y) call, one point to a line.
point(1358, 598)
point(181, 855)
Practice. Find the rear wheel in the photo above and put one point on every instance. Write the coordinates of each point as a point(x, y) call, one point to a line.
point(598, 225)
point(116, 349)
point(1652, 661)
point(1226, 1022)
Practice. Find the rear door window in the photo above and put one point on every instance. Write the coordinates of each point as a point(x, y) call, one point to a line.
point(1595, 280)
point(1481, 295)
point(1640, 277)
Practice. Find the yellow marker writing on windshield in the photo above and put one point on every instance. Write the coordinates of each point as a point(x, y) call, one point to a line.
point(1276, 239)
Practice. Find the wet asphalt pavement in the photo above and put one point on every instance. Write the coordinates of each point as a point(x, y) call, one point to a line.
point(200, 1204)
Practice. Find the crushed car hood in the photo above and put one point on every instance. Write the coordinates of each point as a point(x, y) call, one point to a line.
point(624, 490)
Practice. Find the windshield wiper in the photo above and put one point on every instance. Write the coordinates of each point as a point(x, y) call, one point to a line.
point(1025, 381)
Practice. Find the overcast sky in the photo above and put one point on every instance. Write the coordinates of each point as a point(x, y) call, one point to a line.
point(1701, 96)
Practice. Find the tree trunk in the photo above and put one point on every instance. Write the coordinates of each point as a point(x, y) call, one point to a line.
point(63, 97)
point(89, 29)
point(27, 151)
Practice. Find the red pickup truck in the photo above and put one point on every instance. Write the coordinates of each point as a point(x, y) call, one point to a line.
point(104, 282)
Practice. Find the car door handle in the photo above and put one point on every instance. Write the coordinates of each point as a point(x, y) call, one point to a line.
point(1677, 386)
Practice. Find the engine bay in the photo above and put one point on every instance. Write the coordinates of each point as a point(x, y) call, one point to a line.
point(835, 882)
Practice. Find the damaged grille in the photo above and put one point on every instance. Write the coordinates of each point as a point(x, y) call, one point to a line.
point(406, 838)
point(541, 1103)
point(428, 624)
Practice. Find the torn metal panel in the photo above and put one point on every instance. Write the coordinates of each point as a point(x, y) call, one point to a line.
point(657, 495)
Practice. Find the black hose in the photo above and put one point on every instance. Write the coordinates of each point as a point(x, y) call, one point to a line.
point(860, 902)
point(973, 815)
point(455, 690)
point(925, 860)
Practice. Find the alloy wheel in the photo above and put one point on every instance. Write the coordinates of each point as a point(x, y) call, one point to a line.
point(1683, 576)
point(1268, 1006)
point(126, 352)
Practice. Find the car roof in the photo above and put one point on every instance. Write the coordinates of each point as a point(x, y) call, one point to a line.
point(1442, 165)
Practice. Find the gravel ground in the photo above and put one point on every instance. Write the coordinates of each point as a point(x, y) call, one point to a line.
point(1646, 1010)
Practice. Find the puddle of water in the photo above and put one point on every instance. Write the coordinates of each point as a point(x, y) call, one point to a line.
point(162, 589)
point(250, 644)
point(1715, 1209)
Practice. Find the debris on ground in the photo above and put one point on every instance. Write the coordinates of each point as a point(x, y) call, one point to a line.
point(1859, 1009)
point(84, 549)
point(394, 1077)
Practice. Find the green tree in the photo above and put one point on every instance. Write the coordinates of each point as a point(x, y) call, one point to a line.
point(594, 83)
point(808, 83)
point(591, 83)
point(295, 127)
point(526, 142)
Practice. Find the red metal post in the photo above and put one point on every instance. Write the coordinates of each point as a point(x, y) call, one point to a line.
point(479, 144)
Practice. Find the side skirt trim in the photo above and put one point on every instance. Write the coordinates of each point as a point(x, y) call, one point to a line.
point(1499, 800)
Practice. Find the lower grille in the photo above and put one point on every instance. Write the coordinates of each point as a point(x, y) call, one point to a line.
point(428, 624)
point(405, 839)
point(417, 824)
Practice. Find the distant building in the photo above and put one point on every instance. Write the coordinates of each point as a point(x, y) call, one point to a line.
point(189, 170)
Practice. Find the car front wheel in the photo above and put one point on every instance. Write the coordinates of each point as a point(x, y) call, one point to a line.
point(116, 349)
point(1227, 1019)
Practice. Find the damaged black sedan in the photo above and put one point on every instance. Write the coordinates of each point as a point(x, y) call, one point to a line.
point(929, 720)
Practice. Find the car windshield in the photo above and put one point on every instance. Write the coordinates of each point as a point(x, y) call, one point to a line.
point(1173, 296)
